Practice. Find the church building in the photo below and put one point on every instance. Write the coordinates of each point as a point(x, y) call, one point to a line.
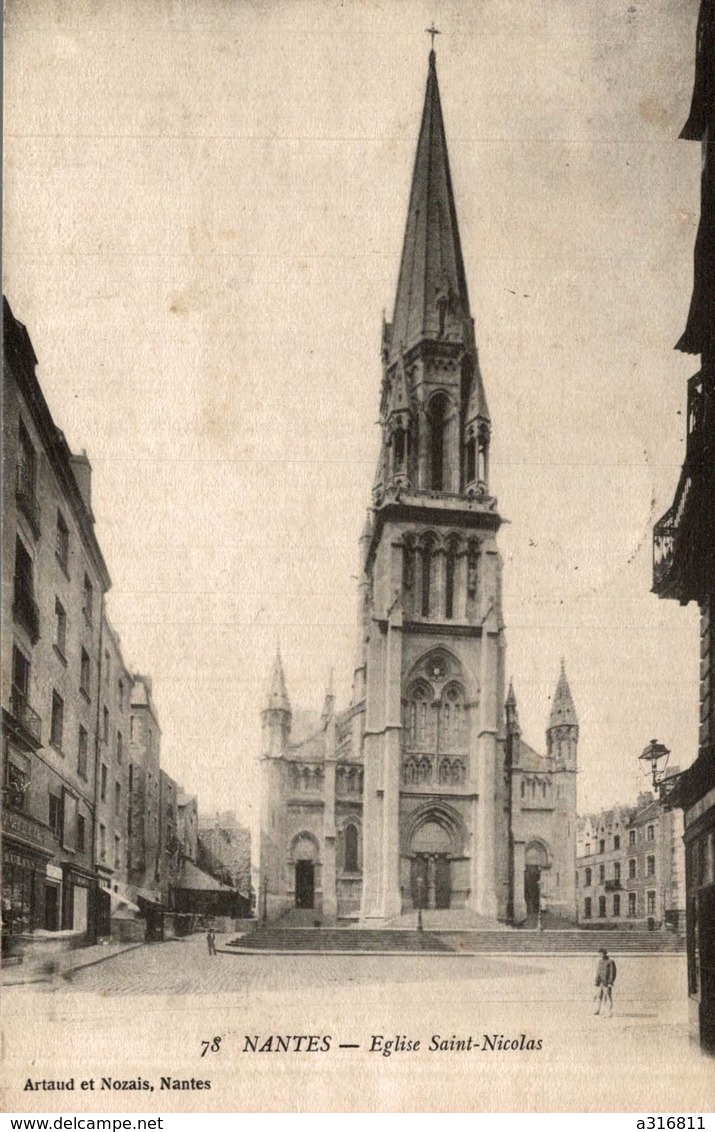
point(422, 793)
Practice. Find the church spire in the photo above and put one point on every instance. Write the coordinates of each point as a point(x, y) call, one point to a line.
point(563, 712)
point(432, 299)
point(433, 409)
point(277, 692)
point(512, 712)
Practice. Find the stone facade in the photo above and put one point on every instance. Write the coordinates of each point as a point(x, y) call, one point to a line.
point(54, 581)
point(224, 851)
point(114, 692)
point(630, 867)
point(423, 792)
point(684, 551)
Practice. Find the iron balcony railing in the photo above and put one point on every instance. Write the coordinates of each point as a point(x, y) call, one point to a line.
point(696, 420)
point(669, 528)
point(26, 498)
point(613, 886)
point(25, 716)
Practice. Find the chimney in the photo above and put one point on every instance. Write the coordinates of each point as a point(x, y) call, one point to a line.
point(83, 475)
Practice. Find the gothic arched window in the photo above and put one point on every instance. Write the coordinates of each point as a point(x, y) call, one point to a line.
point(471, 458)
point(408, 572)
point(352, 860)
point(483, 454)
point(450, 571)
point(452, 719)
point(438, 426)
point(400, 448)
point(418, 717)
point(427, 554)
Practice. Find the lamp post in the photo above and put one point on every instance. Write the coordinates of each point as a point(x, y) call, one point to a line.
point(420, 900)
point(656, 754)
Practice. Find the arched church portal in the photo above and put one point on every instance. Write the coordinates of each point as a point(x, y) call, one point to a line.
point(434, 840)
point(536, 859)
point(304, 853)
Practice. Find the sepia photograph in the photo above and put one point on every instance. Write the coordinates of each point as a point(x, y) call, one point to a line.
point(358, 548)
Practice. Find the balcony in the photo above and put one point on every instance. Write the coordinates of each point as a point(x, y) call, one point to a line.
point(678, 551)
point(696, 421)
point(25, 719)
point(26, 612)
point(613, 886)
point(26, 498)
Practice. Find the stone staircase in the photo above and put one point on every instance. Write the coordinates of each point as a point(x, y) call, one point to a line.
point(504, 940)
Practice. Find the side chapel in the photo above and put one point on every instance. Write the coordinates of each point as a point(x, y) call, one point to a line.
point(423, 792)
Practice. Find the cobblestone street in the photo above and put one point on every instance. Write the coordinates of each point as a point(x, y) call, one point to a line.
point(171, 996)
point(648, 987)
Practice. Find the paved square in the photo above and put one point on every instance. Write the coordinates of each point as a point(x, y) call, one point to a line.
point(162, 1000)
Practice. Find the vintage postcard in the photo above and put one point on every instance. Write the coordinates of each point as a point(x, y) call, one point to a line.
point(352, 759)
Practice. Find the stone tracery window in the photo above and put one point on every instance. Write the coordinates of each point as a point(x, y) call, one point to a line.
point(451, 719)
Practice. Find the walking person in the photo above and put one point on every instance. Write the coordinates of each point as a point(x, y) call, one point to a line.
point(211, 941)
point(605, 978)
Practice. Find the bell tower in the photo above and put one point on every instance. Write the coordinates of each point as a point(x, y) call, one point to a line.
point(430, 631)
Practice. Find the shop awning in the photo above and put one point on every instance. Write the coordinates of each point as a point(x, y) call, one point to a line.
point(196, 880)
point(121, 904)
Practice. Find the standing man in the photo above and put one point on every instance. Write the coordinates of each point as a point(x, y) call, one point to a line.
point(211, 941)
point(605, 978)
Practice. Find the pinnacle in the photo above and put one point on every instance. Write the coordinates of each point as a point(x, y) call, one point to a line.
point(563, 711)
point(277, 691)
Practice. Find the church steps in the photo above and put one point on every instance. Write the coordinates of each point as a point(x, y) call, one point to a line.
point(507, 941)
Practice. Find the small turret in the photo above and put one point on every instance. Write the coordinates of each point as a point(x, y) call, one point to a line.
point(277, 715)
point(329, 704)
point(562, 731)
point(512, 712)
point(513, 727)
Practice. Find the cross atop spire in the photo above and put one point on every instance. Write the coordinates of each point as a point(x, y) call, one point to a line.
point(433, 31)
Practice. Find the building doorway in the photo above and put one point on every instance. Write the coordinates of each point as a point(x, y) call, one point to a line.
point(304, 884)
point(431, 880)
point(52, 907)
point(532, 889)
point(536, 861)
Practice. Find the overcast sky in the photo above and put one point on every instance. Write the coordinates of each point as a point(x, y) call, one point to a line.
point(204, 210)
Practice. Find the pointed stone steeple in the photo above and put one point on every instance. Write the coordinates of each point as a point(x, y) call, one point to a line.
point(329, 703)
point(277, 692)
point(513, 726)
point(433, 409)
point(432, 299)
point(563, 712)
point(276, 716)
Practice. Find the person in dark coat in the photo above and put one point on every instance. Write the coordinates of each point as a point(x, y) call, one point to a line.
point(605, 978)
point(211, 941)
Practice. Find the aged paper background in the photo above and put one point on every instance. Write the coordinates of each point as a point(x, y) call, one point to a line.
point(203, 219)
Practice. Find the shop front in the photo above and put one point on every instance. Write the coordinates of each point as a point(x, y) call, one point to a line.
point(80, 900)
point(26, 853)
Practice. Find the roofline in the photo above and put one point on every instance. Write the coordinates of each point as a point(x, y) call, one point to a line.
point(53, 440)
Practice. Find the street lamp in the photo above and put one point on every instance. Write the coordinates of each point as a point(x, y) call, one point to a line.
point(420, 897)
point(657, 754)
